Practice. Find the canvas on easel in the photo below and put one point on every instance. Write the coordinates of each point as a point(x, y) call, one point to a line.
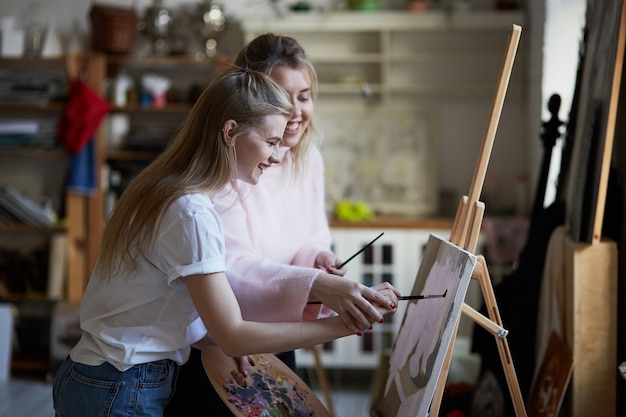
point(464, 236)
point(419, 351)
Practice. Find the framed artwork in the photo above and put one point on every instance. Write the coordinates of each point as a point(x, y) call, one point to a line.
point(546, 395)
point(426, 332)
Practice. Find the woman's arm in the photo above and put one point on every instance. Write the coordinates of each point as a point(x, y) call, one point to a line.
point(265, 270)
point(350, 299)
point(257, 280)
point(219, 310)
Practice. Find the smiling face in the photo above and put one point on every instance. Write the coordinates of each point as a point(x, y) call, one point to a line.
point(297, 83)
point(256, 149)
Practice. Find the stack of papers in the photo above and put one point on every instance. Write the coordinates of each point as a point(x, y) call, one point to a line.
point(17, 207)
point(18, 132)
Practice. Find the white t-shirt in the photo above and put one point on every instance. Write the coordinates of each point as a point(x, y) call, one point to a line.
point(149, 315)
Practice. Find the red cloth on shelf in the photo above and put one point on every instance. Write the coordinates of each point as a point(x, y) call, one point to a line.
point(83, 111)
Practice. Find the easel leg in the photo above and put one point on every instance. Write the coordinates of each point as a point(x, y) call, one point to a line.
point(494, 326)
point(501, 342)
point(321, 377)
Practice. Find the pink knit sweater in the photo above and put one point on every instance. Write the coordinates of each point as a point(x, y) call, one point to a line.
point(274, 230)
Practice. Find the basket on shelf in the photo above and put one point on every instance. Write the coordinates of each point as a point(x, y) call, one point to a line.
point(112, 28)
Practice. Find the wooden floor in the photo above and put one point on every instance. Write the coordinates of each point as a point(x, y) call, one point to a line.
point(350, 391)
point(32, 397)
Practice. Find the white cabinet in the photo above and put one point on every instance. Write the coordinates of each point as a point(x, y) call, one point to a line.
point(395, 257)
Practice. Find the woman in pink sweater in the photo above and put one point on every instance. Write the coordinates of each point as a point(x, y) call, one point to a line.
point(277, 238)
point(277, 235)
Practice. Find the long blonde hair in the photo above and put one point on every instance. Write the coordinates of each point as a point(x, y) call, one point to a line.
point(197, 160)
point(267, 52)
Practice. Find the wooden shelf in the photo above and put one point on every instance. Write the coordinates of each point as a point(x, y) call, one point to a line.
point(385, 20)
point(158, 60)
point(168, 108)
point(30, 61)
point(27, 228)
point(53, 106)
point(346, 88)
point(32, 152)
point(40, 65)
point(334, 58)
point(395, 222)
point(30, 363)
point(130, 155)
point(29, 297)
point(399, 54)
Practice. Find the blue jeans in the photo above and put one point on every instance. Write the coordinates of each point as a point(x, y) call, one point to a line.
point(103, 391)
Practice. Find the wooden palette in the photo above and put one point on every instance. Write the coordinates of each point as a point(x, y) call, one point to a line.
point(271, 389)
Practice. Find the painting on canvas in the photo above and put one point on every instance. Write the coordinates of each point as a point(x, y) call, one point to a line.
point(426, 332)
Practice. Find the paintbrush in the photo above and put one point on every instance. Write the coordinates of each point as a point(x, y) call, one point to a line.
point(422, 296)
point(406, 297)
point(348, 260)
point(359, 251)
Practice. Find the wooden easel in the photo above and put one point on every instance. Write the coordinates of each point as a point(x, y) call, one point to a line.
point(465, 232)
point(322, 378)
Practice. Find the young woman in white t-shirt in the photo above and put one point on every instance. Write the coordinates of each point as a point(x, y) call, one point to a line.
point(159, 284)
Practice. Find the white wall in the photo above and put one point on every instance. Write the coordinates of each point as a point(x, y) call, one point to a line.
point(565, 20)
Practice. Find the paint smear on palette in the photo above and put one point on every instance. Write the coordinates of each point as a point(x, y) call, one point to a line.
point(271, 394)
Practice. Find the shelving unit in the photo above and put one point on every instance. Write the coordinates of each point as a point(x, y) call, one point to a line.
point(390, 84)
point(32, 163)
point(135, 133)
point(37, 168)
point(399, 55)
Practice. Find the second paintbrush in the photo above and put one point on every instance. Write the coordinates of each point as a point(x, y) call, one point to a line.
point(406, 297)
point(422, 296)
